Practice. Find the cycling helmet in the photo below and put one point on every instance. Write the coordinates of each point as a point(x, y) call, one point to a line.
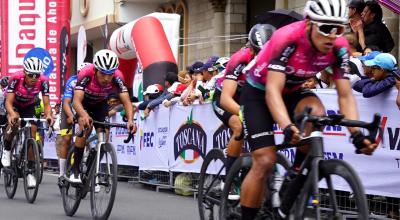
point(106, 61)
point(82, 65)
point(327, 11)
point(221, 62)
point(260, 34)
point(33, 65)
point(4, 81)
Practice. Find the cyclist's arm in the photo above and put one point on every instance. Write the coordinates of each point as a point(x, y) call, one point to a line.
point(78, 98)
point(347, 102)
point(47, 107)
point(227, 101)
point(273, 96)
point(9, 103)
point(67, 107)
point(126, 101)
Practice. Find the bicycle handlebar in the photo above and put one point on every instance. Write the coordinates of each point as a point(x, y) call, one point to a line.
point(108, 124)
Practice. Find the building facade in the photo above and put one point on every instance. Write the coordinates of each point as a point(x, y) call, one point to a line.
point(207, 27)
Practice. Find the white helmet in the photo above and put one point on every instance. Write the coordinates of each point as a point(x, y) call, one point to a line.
point(106, 61)
point(221, 62)
point(82, 65)
point(335, 11)
point(33, 65)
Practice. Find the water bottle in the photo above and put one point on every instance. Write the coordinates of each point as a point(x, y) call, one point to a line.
point(276, 184)
point(84, 160)
point(19, 144)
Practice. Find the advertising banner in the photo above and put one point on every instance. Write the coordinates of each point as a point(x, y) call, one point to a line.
point(30, 24)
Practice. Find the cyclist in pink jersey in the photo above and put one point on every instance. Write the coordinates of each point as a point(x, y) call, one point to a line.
point(273, 93)
point(95, 82)
point(23, 87)
point(226, 97)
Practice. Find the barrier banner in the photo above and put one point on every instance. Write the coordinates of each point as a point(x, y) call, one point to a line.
point(126, 152)
point(29, 24)
point(154, 149)
point(190, 136)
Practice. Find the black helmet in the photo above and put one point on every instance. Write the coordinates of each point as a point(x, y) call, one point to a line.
point(259, 35)
point(357, 4)
point(4, 81)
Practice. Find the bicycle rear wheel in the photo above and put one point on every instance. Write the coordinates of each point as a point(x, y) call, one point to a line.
point(104, 183)
point(209, 189)
point(71, 195)
point(341, 194)
point(31, 191)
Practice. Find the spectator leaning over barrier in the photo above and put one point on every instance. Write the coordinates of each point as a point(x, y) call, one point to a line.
point(369, 56)
point(171, 82)
point(152, 92)
point(114, 104)
point(184, 77)
point(375, 35)
point(382, 78)
point(356, 66)
point(177, 96)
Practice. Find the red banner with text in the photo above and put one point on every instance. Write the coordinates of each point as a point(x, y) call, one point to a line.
point(27, 24)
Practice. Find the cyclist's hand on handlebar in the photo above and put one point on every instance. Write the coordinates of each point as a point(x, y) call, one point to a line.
point(50, 120)
point(291, 134)
point(13, 118)
point(131, 127)
point(363, 143)
point(70, 120)
point(85, 121)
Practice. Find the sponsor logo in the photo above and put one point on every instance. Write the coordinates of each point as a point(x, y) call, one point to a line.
point(221, 137)
point(276, 67)
point(190, 141)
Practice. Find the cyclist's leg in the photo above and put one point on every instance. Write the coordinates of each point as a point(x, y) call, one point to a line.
point(66, 137)
point(258, 128)
point(8, 137)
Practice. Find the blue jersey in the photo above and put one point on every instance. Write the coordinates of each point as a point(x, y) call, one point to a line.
point(69, 87)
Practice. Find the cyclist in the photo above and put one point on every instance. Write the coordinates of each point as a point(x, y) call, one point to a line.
point(23, 87)
point(227, 93)
point(95, 82)
point(67, 121)
point(3, 94)
point(273, 92)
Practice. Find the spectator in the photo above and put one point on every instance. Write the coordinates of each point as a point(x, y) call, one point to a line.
point(114, 104)
point(171, 82)
point(398, 88)
point(191, 94)
point(382, 78)
point(310, 83)
point(356, 67)
point(184, 77)
point(369, 56)
point(151, 93)
point(356, 7)
point(374, 35)
point(177, 93)
point(195, 69)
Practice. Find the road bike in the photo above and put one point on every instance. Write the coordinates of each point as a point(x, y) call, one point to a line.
point(98, 174)
point(322, 188)
point(22, 162)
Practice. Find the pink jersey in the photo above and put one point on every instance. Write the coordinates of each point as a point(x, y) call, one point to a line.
point(235, 66)
point(290, 51)
point(94, 92)
point(24, 95)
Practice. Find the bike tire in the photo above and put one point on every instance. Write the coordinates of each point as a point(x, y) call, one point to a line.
point(40, 147)
point(239, 169)
point(11, 174)
point(205, 200)
point(31, 192)
point(71, 195)
point(104, 180)
point(340, 168)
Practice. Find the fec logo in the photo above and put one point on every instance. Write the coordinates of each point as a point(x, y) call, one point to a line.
point(190, 141)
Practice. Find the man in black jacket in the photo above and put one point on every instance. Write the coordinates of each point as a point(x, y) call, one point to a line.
point(375, 34)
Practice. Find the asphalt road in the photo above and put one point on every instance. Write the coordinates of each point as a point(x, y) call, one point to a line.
point(133, 201)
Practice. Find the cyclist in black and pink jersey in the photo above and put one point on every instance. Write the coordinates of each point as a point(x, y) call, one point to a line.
point(273, 93)
point(22, 90)
point(226, 97)
point(95, 82)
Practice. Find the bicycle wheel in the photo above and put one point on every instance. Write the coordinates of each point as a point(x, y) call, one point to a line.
point(104, 183)
point(40, 147)
point(230, 209)
point(209, 189)
point(341, 194)
point(71, 195)
point(11, 177)
point(31, 191)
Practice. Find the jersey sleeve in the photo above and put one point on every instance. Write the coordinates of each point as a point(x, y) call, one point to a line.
point(69, 88)
point(82, 83)
point(12, 85)
point(342, 64)
point(45, 87)
point(119, 82)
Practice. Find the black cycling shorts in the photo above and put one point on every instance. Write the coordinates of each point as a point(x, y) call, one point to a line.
point(258, 122)
point(98, 111)
point(65, 128)
point(220, 112)
point(25, 112)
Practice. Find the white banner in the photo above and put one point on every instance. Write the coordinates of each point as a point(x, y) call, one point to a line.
point(82, 46)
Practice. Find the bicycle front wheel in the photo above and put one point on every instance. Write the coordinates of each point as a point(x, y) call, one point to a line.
point(31, 167)
point(209, 189)
point(41, 161)
point(104, 183)
point(71, 195)
point(11, 177)
point(341, 194)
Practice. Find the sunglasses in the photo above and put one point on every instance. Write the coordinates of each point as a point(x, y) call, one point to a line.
point(327, 29)
point(376, 68)
point(33, 75)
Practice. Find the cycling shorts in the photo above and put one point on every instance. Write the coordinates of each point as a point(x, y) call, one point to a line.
point(65, 128)
point(258, 123)
point(25, 112)
point(220, 112)
point(97, 111)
